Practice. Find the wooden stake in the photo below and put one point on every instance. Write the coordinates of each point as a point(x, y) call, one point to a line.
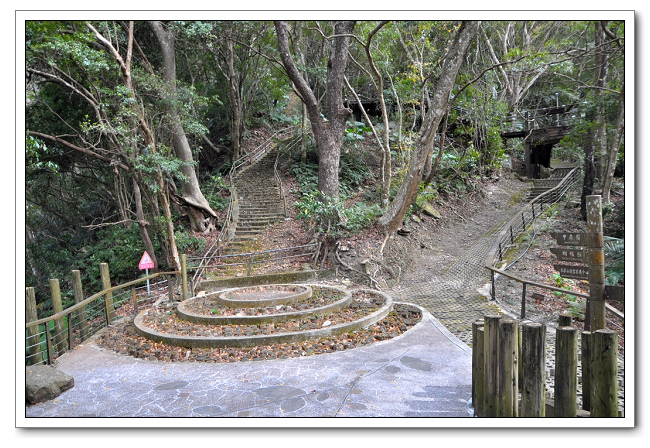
point(605, 374)
point(566, 372)
point(533, 359)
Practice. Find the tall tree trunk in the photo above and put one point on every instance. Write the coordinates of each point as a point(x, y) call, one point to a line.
point(198, 209)
point(613, 152)
point(601, 74)
point(329, 132)
point(423, 149)
point(235, 100)
point(143, 224)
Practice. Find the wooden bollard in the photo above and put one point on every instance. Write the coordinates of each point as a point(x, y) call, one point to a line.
point(60, 340)
point(533, 360)
point(586, 350)
point(566, 372)
point(33, 338)
point(605, 374)
point(491, 354)
point(478, 367)
point(508, 370)
point(82, 316)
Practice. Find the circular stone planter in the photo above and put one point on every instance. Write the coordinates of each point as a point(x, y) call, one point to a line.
point(264, 295)
point(184, 312)
point(265, 339)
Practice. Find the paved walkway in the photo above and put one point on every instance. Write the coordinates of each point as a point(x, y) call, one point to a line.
point(426, 372)
point(454, 296)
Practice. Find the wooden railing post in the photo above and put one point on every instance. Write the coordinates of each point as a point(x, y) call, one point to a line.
point(523, 301)
point(478, 367)
point(566, 372)
point(60, 339)
point(533, 359)
point(82, 316)
point(605, 374)
point(108, 297)
point(33, 338)
point(184, 277)
point(508, 369)
point(134, 299)
point(491, 354)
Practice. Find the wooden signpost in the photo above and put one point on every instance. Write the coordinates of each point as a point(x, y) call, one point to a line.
point(586, 248)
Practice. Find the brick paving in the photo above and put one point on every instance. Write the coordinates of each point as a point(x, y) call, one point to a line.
point(453, 297)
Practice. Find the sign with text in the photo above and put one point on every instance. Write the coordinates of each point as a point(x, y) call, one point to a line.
point(146, 262)
point(570, 239)
point(568, 254)
point(576, 272)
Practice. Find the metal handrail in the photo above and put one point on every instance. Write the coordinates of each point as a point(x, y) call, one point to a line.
point(513, 229)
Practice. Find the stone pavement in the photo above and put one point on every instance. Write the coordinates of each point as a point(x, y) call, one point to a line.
point(425, 372)
point(457, 297)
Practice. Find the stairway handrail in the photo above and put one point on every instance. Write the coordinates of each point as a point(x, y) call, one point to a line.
point(252, 156)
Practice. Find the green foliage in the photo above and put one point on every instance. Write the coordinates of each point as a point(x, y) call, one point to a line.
point(356, 132)
point(187, 242)
point(335, 219)
point(120, 247)
point(216, 192)
point(614, 249)
point(563, 283)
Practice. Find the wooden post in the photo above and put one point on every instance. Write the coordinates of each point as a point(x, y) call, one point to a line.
point(520, 365)
point(170, 289)
point(564, 320)
point(134, 298)
point(108, 297)
point(33, 338)
point(586, 355)
point(478, 367)
point(60, 344)
point(605, 374)
point(533, 359)
point(523, 301)
point(596, 261)
point(508, 370)
point(491, 354)
point(82, 316)
point(566, 372)
point(184, 276)
point(494, 290)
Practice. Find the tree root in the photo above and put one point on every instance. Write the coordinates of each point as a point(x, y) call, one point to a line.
point(373, 282)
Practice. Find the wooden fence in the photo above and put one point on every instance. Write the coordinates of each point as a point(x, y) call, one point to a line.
point(48, 338)
point(509, 368)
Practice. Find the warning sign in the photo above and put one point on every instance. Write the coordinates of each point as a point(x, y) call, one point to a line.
point(145, 261)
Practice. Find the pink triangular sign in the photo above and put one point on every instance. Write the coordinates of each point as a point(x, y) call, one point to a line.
point(145, 261)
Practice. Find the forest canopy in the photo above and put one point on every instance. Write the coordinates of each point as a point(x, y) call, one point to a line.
point(131, 127)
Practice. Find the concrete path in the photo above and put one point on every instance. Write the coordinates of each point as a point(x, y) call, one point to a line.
point(425, 372)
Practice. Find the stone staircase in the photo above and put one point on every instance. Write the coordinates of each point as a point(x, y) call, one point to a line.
point(542, 185)
point(260, 205)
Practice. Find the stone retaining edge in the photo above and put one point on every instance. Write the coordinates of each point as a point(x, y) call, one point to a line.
point(251, 341)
